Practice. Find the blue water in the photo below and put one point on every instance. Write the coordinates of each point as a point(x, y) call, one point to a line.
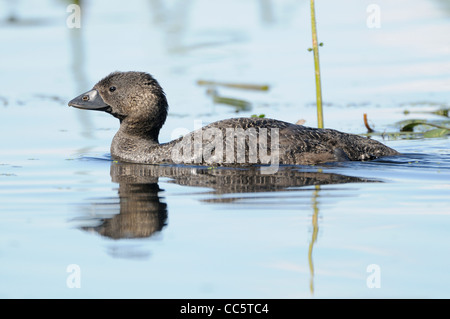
point(75, 224)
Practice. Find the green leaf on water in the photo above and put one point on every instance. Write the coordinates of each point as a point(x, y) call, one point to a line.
point(240, 105)
point(242, 86)
point(410, 126)
point(437, 132)
point(442, 112)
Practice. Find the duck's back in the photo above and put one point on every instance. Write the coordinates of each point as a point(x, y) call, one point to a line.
point(255, 138)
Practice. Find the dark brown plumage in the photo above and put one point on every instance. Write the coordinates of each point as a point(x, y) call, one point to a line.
point(139, 102)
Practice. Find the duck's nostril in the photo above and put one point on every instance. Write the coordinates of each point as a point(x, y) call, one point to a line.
point(85, 97)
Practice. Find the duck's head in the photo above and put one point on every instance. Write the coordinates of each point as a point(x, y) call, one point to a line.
point(135, 98)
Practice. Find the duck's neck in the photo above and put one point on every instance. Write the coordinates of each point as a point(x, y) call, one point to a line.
point(133, 143)
point(139, 129)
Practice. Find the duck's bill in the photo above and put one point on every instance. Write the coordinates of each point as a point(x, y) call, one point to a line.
point(90, 100)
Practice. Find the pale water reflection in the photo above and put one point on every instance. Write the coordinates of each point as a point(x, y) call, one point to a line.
point(139, 211)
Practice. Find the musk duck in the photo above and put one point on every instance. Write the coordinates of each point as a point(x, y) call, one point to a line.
point(139, 102)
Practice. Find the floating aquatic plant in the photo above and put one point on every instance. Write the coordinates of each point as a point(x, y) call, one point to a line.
point(413, 128)
point(239, 104)
point(429, 129)
point(243, 86)
point(440, 111)
point(261, 116)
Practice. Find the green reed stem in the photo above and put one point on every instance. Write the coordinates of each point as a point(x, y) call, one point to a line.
point(316, 67)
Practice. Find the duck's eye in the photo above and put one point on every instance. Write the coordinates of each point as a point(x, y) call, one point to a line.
point(112, 89)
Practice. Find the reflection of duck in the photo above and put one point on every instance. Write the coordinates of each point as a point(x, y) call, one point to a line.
point(249, 180)
point(138, 101)
point(142, 214)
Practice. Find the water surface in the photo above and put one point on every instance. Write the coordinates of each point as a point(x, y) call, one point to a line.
point(143, 231)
